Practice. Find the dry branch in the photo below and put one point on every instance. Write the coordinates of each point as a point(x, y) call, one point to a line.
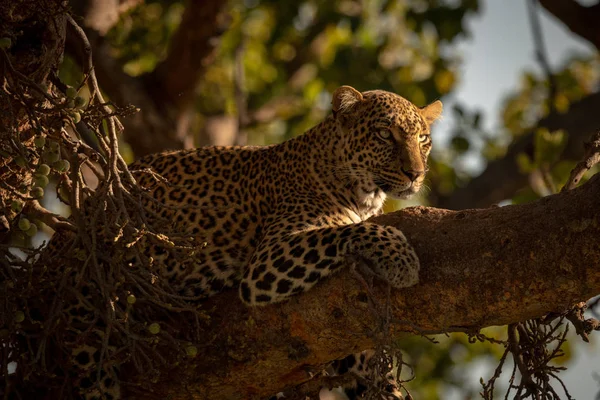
point(591, 158)
point(479, 268)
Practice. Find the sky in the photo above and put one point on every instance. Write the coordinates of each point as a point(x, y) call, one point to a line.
point(500, 49)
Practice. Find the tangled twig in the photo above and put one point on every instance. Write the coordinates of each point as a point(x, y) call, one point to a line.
point(100, 248)
point(534, 345)
point(541, 53)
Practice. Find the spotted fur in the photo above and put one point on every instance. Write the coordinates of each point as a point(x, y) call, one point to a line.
point(278, 219)
point(363, 366)
point(370, 380)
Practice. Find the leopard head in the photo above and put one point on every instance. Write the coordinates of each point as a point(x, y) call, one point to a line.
point(386, 141)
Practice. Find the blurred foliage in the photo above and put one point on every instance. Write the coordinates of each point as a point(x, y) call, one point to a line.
point(471, 360)
point(578, 78)
point(454, 163)
point(434, 376)
point(140, 40)
point(471, 143)
point(296, 54)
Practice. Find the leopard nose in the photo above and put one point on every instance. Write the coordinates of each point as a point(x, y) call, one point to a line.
point(412, 174)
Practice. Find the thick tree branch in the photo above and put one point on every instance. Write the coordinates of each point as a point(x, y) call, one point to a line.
point(479, 268)
point(581, 20)
point(502, 178)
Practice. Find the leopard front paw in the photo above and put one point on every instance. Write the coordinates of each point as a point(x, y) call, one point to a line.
point(397, 263)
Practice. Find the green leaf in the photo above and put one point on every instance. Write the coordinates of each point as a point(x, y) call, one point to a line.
point(526, 165)
point(548, 146)
point(460, 144)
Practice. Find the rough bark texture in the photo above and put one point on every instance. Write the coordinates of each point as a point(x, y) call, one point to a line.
point(502, 178)
point(479, 268)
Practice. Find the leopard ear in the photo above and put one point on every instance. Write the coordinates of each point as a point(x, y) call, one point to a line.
point(432, 112)
point(345, 98)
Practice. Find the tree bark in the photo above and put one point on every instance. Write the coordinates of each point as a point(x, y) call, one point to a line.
point(502, 178)
point(479, 268)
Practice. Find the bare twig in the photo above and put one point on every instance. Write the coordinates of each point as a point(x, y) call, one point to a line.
point(35, 209)
point(111, 229)
point(582, 20)
point(530, 344)
point(591, 158)
point(541, 53)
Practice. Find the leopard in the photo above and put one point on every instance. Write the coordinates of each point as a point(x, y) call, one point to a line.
point(373, 373)
point(365, 366)
point(278, 219)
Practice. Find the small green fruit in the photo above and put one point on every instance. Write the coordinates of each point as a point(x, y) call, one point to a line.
point(37, 193)
point(53, 145)
point(41, 181)
point(80, 254)
point(19, 316)
point(24, 224)
point(191, 351)
point(80, 102)
point(76, 116)
point(63, 194)
point(62, 165)
point(5, 43)
point(154, 328)
point(43, 169)
point(39, 141)
point(16, 206)
point(131, 299)
point(52, 156)
point(20, 161)
point(70, 103)
point(71, 92)
point(33, 229)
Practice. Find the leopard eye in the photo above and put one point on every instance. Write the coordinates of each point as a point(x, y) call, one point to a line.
point(423, 138)
point(385, 134)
